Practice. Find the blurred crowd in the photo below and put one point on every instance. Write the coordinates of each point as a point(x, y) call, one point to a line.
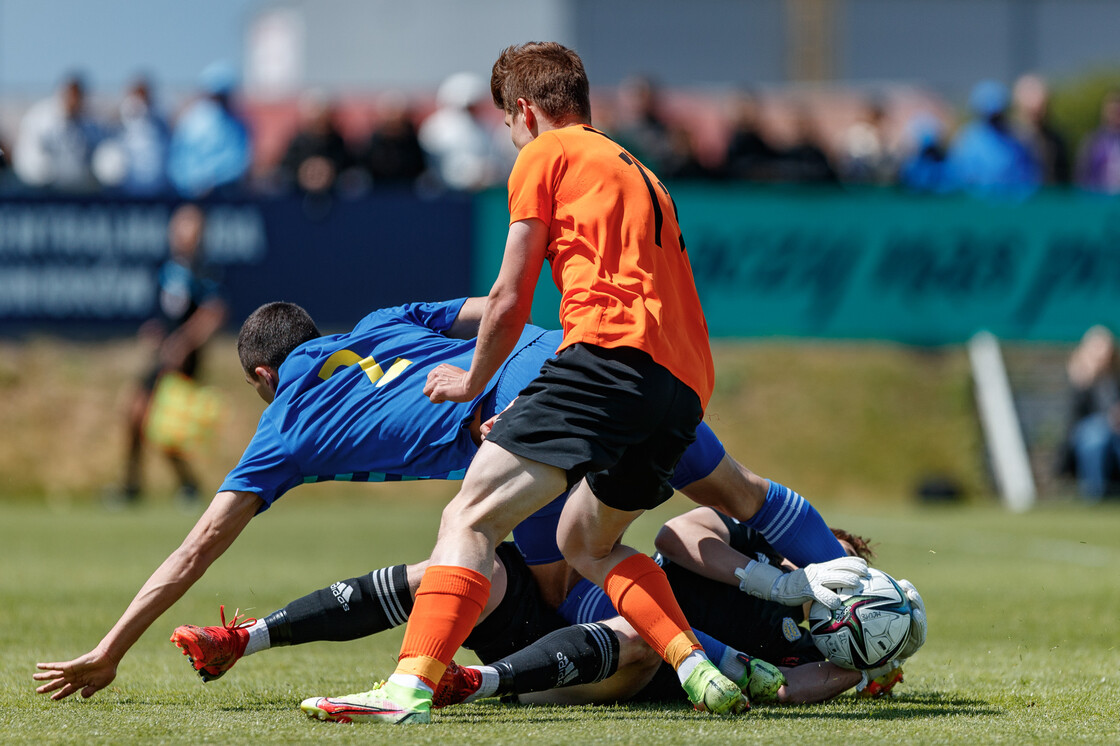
point(1004, 145)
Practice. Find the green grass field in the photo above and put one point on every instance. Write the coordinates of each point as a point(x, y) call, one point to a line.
point(1023, 611)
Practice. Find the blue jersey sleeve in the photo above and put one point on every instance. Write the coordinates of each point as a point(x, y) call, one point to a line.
point(435, 316)
point(266, 468)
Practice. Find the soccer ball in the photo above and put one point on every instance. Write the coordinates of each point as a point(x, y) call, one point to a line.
point(869, 629)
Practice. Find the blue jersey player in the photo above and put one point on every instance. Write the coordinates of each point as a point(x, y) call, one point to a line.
point(351, 407)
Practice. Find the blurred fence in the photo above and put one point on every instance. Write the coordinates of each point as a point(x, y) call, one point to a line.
point(89, 266)
point(769, 262)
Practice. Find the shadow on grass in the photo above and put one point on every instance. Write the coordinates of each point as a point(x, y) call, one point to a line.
point(908, 708)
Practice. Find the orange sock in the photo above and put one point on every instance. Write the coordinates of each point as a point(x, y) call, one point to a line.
point(447, 607)
point(640, 592)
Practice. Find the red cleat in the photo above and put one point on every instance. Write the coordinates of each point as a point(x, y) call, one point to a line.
point(213, 650)
point(456, 686)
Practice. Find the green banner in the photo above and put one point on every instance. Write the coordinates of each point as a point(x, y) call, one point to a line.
point(880, 264)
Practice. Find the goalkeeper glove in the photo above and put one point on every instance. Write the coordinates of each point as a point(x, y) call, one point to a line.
point(810, 583)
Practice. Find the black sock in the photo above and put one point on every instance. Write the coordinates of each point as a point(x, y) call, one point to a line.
point(347, 610)
point(580, 654)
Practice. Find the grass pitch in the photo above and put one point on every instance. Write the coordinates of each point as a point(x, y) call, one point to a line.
point(1023, 630)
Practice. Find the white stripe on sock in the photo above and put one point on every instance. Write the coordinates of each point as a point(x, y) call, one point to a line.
point(390, 604)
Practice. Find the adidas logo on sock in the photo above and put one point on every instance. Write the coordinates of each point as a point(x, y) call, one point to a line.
point(568, 670)
point(342, 593)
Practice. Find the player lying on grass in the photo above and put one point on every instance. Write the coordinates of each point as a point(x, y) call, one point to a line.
point(351, 406)
point(601, 658)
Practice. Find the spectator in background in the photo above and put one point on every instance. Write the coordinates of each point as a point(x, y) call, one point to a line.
point(134, 159)
point(393, 155)
point(189, 311)
point(56, 141)
point(317, 154)
point(460, 147)
point(210, 145)
point(1092, 449)
point(641, 128)
point(682, 161)
point(805, 161)
point(986, 157)
point(922, 166)
point(749, 157)
point(866, 156)
point(1098, 167)
point(1032, 118)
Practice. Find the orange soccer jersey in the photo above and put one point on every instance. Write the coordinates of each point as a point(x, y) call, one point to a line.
point(616, 251)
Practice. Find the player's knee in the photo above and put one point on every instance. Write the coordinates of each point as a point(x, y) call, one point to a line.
point(472, 517)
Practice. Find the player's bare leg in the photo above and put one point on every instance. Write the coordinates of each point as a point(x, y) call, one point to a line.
point(500, 489)
point(589, 535)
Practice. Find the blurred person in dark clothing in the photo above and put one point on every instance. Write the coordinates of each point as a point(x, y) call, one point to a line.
point(805, 161)
point(393, 155)
point(190, 311)
point(683, 162)
point(749, 157)
point(641, 127)
point(317, 154)
point(1098, 167)
point(1032, 118)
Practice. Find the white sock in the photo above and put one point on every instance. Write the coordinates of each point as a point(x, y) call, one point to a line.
point(489, 686)
point(408, 681)
point(258, 638)
point(731, 666)
point(694, 659)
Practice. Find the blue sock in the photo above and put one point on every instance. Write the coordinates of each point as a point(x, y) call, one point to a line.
point(713, 647)
point(794, 528)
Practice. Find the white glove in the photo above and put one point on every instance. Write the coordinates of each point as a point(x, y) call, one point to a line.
point(917, 620)
point(810, 583)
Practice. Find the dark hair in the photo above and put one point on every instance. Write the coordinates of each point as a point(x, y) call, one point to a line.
point(271, 332)
point(546, 73)
point(861, 545)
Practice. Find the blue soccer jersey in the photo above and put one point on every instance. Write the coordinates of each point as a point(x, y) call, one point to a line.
point(351, 406)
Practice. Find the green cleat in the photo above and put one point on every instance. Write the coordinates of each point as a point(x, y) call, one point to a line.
point(761, 681)
point(711, 691)
point(378, 705)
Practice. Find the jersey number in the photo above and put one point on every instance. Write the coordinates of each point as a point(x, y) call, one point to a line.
point(373, 371)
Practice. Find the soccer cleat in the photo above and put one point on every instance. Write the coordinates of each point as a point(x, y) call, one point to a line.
point(711, 691)
point(761, 681)
point(881, 685)
point(374, 706)
point(213, 650)
point(456, 686)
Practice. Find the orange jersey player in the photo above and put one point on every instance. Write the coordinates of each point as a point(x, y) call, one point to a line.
point(608, 417)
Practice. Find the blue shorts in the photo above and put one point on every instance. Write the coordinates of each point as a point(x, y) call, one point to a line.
point(535, 536)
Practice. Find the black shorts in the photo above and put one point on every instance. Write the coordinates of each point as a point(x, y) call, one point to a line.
point(758, 628)
point(522, 617)
point(610, 414)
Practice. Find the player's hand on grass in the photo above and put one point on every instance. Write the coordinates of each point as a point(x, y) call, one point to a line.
point(89, 673)
point(917, 620)
point(448, 383)
point(810, 583)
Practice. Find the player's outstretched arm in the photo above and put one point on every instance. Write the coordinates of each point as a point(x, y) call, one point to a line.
point(215, 530)
point(699, 542)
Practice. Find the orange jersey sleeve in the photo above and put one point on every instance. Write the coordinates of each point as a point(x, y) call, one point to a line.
point(616, 250)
